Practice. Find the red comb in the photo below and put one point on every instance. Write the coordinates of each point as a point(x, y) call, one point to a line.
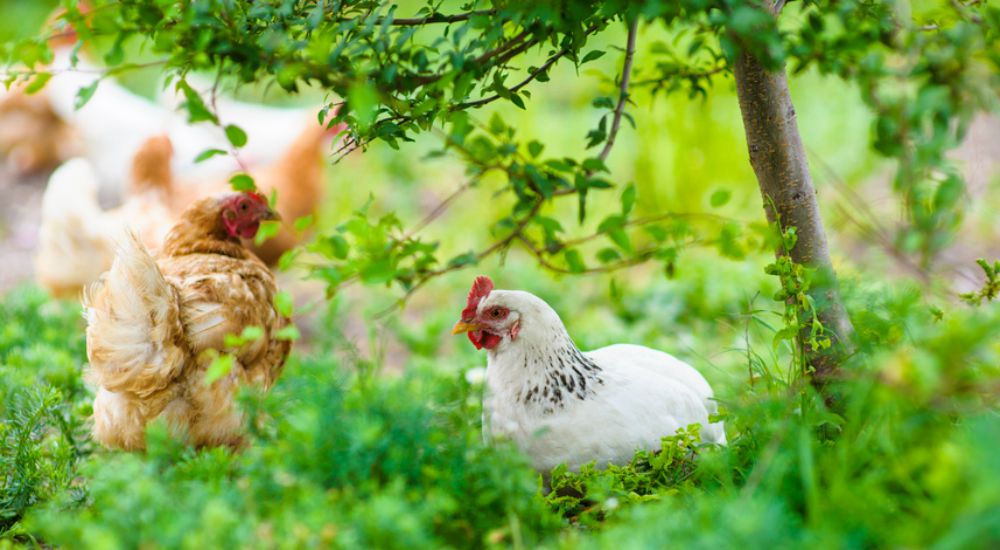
point(480, 289)
point(257, 196)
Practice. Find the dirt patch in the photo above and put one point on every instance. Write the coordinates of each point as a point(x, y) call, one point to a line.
point(20, 217)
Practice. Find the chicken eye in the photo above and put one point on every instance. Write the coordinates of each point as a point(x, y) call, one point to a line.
point(244, 206)
point(496, 313)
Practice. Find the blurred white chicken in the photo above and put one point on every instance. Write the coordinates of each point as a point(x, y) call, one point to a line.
point(564, 406)
point(77, 238)
point(41, 131)
point(116, 121)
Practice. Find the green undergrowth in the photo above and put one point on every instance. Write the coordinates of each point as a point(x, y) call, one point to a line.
point(341, 457)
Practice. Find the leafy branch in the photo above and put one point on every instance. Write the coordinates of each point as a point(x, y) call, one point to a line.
point(535, 183)
point(991, 286)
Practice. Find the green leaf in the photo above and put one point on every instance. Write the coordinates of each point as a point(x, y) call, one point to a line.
point(242, 182)
point(574, 262)
point(207, 154)
point(620, 238)
point(268, 229)
point(332, 246)
point(948, 192)
point(535, 148)
point(719, 198)
point(236, 135)
point(628, 199)
point(116, 54)
point(592, 55)
point(608, 255)
point(252, 334)
point(305, 222)
point(290, 332)
point(496, 124)
point(363, 101)
point(283, 303)
point(594, 165)
point(249, 334)
point(220, 367)
point(378, 272)
point(287, 258)
point(38, 83)
point(196, 108)
point(84, 94)
point(603, 102)
point(468, 258)
point(787, 333)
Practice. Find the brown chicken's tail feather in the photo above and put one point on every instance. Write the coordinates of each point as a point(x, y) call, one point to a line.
point(135, 339)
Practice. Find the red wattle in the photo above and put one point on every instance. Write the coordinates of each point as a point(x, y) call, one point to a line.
point(475, 336)
point(482, 339)
point(490, 340)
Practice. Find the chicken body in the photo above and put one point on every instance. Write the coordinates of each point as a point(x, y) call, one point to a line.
point(563, 406)
point(153, 323)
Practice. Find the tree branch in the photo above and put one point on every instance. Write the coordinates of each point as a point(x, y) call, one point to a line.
point(438, 18)
point(505, 52)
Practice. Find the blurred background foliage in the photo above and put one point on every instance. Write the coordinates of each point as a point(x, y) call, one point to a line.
point(371, 438)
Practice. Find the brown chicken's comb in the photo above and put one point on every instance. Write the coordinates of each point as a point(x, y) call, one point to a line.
point(481, 288)
point(257, 196)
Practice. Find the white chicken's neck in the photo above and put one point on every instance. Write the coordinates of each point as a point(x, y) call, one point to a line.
point(542, 369)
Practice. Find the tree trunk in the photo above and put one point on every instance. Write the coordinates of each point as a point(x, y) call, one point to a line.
point(779, 162)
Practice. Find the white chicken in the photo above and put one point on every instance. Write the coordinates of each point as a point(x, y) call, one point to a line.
point(116, 121)
point(563, 406)
point(76, 239)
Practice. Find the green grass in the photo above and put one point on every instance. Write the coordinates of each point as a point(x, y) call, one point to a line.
point(342, 457)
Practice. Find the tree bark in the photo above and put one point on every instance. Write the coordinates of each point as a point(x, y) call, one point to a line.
point(779, 162)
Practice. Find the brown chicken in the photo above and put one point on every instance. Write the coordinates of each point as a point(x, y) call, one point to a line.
point(33, 138)
point(297, 177)
point(153, 326)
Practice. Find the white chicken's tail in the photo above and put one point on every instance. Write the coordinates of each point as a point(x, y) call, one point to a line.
point(75, 241)
point(135, 339)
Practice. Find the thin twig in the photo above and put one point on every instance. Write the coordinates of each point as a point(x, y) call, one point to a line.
point(652, 219)
point(539, 255)
point(623, 91)
point(439, 209)
point(213, 96)
point(693, 74)
point(102, 73)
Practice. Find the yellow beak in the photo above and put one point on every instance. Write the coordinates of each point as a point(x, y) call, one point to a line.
point(461, 327)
